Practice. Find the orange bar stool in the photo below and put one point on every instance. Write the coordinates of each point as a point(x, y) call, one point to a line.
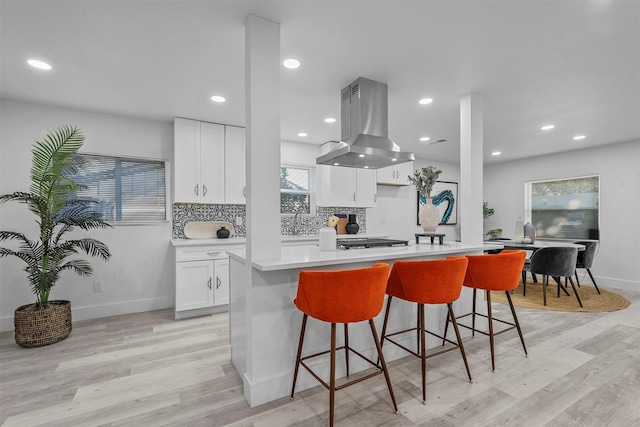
point(342, 296)
point(426, 282)
point(498, 272)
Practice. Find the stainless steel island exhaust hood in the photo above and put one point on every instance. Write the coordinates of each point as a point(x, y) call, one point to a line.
point(364, 125)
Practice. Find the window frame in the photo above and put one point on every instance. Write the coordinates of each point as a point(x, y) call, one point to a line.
point(528, 205)
point(312, 188)
point(167, 188)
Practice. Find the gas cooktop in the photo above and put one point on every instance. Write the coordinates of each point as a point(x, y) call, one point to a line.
point(364, 242)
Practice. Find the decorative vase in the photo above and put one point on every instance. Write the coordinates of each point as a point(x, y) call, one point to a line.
point(223, 233)
point(530, 231)
point(429, 216)
point(352, 226)
point(519, 233)
point(37, 326)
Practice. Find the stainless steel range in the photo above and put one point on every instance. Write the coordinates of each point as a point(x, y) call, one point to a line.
point(363, 242)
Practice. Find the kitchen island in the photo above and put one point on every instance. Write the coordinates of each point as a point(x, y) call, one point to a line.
point(265, 324)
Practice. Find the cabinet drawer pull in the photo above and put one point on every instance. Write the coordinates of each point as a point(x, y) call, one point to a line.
point(195, 190)
point(204, 190)
point(218, 282)
point(209, 283)
point(213, 254)
point(354, 197)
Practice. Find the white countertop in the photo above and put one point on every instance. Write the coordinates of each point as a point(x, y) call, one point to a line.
point(242, 240)
point(311, 256)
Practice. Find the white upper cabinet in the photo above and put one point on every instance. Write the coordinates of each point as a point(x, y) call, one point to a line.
point(395, 175)
point(346, 187)
point(208, 162)
point(234, 176)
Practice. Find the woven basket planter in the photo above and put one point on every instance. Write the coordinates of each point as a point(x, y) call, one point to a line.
point(39, 326)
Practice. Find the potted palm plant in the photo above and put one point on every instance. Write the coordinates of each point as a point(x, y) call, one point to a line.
point(424, 180)
point(50, 198)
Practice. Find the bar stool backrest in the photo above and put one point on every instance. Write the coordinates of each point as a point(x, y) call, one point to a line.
point(495, 272)
point(342, 296)
point(554, 261)
point(428, 282)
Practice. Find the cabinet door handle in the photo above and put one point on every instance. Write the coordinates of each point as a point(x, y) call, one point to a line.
point(213, 254)
point(244, 192)
point(209, 283)
point(195, 190)
point(375, 197)
point(204, 190)
point(218, 282)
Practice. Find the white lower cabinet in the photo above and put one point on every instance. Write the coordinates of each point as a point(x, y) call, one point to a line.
point(202, 280)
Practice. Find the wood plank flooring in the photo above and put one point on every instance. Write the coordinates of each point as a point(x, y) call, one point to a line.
point(148, 369)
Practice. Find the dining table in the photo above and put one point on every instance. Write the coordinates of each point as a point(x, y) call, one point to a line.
point(535, 245)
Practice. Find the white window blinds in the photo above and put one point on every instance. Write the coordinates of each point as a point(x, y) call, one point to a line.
point(125, 189)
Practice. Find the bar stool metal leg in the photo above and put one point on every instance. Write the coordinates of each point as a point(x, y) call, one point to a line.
point(423, 353)
point(385, 371)
point(346, 346)
point(515, 320)
point(451, 314)
point(490, 318)
point(332, 374)
point(299, 355)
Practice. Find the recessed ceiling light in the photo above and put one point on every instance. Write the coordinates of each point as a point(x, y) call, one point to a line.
point(366, 167)
point(360, 155)
point(547, 127)
point(302, 134)
point(218, 98)
point(425, 139)
point(291, 63)
point(496, 153)
point(330, 120)
point(425, 101)
point(39, 64)
point(394, 160)
point(336, 164)
point(579, 137)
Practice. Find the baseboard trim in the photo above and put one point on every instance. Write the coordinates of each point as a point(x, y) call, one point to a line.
point(106, 310)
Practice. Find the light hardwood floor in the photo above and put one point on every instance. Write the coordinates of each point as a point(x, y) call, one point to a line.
point(147, 369)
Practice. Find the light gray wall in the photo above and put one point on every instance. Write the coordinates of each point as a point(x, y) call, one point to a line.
point(617, 261)
point(395, 213)
point(139, 276)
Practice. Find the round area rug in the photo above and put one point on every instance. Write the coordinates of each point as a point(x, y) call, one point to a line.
point(591, 300)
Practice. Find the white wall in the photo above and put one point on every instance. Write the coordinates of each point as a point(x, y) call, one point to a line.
point(395, 213)
point(617, 261)
point(139, 276)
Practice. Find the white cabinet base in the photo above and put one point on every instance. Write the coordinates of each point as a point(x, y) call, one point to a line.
point(185, 314)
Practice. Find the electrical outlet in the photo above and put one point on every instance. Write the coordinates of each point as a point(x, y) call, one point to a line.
point(97, 286)
point(238, 220)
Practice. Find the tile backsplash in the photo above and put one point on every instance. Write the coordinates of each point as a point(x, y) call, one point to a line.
point(184, 213)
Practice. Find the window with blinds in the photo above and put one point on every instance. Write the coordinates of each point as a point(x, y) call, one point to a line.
point(124, 189)
point(564, 208)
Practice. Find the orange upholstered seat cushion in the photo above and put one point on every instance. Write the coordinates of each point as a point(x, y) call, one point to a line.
point(495, 272)
point(428, 282)
point(342, 296)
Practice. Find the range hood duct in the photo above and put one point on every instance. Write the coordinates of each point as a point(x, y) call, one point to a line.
point(364, 130)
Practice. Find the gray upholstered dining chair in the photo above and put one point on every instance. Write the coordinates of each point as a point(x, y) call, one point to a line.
point(556, 262)
point(585, 260)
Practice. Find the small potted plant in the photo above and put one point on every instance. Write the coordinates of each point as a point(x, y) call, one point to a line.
point(494, 233)
point(50, 198)
point(424, 180)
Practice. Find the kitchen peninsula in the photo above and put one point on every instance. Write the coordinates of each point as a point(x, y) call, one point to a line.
point(265, 324)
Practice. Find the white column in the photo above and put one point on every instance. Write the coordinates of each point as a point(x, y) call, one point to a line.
point(471, 168)
point(262, 99)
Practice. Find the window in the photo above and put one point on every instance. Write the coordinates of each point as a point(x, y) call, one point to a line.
point(126, 190)
point(566, 208)
point(296, 190)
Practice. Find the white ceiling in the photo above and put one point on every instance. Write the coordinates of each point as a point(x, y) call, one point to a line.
point(575, 64)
